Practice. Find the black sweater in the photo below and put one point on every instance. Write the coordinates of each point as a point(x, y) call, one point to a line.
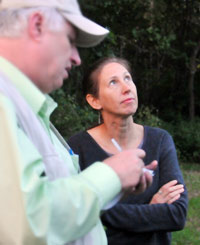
point(133, 221)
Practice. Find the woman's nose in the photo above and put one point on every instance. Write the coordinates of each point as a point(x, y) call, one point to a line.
point(125, 87)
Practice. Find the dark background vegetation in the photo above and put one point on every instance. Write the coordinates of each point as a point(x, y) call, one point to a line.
point(161, 39)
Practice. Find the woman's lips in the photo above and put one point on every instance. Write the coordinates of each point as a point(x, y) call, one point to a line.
point(129, 100)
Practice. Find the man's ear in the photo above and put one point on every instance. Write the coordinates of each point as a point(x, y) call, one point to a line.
point(36, 26)
point(93, 102)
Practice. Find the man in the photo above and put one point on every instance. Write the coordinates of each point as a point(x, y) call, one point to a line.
point(44, 198)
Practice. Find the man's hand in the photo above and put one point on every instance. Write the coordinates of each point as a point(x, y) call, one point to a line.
point(146, 179)
point(129, 165)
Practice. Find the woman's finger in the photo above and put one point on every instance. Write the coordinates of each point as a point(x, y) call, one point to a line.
point(176, 187)
point(169, 194)
point(170, 183)
point(176, 192)
point(175, 198)
point(168, 188)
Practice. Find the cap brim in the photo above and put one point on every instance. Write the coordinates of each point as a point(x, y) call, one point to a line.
point(89, 33)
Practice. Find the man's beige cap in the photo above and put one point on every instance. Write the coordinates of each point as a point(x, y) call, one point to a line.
point(89, 33)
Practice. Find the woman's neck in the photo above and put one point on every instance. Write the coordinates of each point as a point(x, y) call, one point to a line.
point(118, 128)
point(127, 133)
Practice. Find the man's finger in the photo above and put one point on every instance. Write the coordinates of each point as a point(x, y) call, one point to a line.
point(140, 153)
point(153, 165)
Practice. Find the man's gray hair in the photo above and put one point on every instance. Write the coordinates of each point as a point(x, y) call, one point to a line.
point(14, 21)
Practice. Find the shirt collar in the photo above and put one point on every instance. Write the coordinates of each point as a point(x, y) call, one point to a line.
point(35, 98)
point(48, 106)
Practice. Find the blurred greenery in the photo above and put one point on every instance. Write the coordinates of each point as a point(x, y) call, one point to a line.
point(70, 116)
point(190, 235)
point(160, 38)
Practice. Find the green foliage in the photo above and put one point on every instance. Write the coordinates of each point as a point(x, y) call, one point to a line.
point(70, 117)
point(186, 135)
point(190, 234)
point(146, 116)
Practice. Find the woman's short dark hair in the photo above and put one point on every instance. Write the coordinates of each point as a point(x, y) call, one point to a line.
point(90, 83)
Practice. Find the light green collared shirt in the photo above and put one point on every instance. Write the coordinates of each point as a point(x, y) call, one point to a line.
point(66, 209)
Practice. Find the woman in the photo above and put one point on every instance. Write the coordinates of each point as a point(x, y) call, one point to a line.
point(147, 218)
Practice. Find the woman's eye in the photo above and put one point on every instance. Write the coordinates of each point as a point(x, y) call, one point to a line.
point(128, 78)
point(113, 82)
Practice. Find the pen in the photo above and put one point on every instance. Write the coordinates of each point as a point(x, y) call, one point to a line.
point(116, 144)
point(118, 147)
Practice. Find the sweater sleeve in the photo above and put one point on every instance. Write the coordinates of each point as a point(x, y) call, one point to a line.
point(143, 217)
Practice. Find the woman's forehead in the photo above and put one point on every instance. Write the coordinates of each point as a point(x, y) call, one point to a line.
point(111, 69)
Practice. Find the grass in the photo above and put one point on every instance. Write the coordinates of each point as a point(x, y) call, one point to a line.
point(190, 235)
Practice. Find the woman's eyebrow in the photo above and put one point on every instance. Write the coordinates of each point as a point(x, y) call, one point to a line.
point(112, 77)
point(126, 72)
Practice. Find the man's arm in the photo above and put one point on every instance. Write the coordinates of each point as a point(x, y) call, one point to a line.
point(65, 209)
point(60, 211)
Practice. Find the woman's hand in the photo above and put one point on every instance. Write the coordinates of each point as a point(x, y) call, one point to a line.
point(168, 193)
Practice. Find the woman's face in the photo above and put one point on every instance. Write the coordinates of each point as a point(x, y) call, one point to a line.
point(117, 91)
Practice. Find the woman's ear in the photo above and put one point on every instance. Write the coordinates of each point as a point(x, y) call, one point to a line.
point(93, 102)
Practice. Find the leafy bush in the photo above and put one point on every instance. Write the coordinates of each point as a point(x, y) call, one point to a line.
point(186, 134)
point(70, 117)
point(190, 234)
point(187, 138)
point(146, 116)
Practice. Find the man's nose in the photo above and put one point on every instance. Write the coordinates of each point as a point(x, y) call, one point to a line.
point(75, 57)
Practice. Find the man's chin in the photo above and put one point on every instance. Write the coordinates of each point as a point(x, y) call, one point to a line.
point(59, 84)
point(56, 86)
